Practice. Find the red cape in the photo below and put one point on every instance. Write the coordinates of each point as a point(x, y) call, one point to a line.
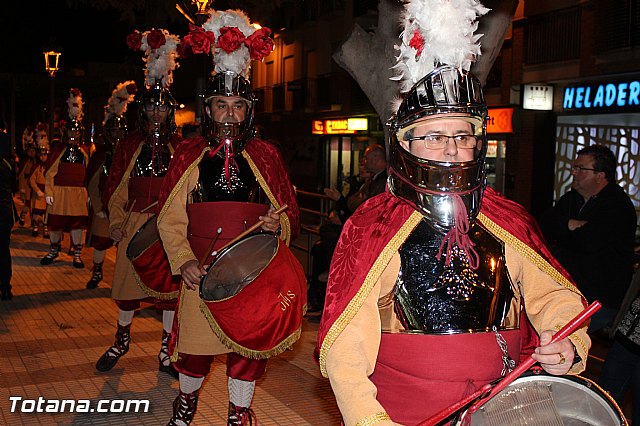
point(378, 220)
point(267, 159)
point(95, 164)
point(122, 157)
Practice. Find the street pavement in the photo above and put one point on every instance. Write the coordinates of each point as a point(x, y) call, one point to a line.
point(54, 330)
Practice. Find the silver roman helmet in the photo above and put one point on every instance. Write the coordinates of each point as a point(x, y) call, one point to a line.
point(228, 84)
point(429, 185)
point(114, 123)
point(157, 97)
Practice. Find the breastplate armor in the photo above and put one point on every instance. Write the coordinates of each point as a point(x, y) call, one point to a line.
point(432, 298)
point(213, 185)
point(153, 161)
point(72, 154)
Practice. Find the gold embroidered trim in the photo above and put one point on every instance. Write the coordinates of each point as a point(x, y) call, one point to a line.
point(535, 258)
point(153, 293)
point(244, 351)
point(369, 282)
point(284, 218)
point(374, 419)
point(180, 255)
point(125, 177)
point(180, 183)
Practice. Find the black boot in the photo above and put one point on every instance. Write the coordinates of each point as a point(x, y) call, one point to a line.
point(241, 416)
point(77, 260)
point(164, 363)
point(118, 349)
point(54, 249)
point(184, 408)
point(96, 276)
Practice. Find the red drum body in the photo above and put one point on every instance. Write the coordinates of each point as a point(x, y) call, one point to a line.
point(255, 290)
point(146, 253)
point(550, 400)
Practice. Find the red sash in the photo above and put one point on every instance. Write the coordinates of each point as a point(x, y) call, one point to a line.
point(70, 174)
point(418, 375)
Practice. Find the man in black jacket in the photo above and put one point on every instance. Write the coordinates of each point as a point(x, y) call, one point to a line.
point(591, 231)
point(8, 213)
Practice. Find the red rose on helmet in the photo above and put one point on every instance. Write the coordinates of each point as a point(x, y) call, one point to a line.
point(156, 39)
point(230, 39)
point(260, 43)
point(199, 40)
point(134, 40)
point(417, 42)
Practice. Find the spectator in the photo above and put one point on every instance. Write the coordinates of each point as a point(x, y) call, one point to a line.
point(591, 231)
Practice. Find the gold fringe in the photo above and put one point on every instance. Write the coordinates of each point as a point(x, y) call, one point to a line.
point(176, 350)
point(153, 293)
point(369, 282)
point(374, 419)
point(180, 255)
point(284, 218)
point(244, 351)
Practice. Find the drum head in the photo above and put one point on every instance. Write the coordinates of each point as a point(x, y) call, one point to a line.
point(143, 238)
point(237, 266)
point(549, 400)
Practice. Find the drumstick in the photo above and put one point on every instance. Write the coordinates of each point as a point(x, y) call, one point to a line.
point(128, 215)
point(564, 332)
point(149, 207)
point(253, 227)
point(209, 249)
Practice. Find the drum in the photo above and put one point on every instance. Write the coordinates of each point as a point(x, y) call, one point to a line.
point(146, 253)
point(237, 266)
point(255, 291)
point(550, 400)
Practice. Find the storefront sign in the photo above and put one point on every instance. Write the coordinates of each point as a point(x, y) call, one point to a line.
point(604, 97)
point(537, 96)
point(500, 120)
point(338, 126)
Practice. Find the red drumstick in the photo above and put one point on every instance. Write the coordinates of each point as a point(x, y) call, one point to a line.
point(564, 332)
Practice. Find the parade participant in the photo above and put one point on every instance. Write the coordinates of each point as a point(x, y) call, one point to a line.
point(27, 167)
point(114, 130)
point(433, 283)
point(139, 165)
point(8, 213)
point(224, 181)
point(65, 193)
point(37, 183)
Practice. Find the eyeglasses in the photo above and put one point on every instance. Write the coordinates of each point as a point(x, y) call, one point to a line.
point(160, 107)
point(439, 141)
point(580, 168)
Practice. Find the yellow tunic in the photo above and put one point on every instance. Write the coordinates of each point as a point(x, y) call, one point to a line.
point(67, 200)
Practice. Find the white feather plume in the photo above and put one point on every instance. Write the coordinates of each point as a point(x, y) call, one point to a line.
point(119, 100)
point(238, 61)
point(74, 105)
point(446, 29)
point(162, 61)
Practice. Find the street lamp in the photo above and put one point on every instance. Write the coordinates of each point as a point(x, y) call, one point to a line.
point(51, 63)
point(203, 6)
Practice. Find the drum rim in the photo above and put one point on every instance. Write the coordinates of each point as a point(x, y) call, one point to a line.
point(574, 378)
point(130, 257)
point(223, 252)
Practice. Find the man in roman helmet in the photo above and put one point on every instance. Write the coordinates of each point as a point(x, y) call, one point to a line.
point(65, 193)
point(429, 282)
point(138, 168)
point(216, 187)
point(114, 130)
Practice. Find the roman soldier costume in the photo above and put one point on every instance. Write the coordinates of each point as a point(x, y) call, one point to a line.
point(435, 283)
point(217, 186)
point(65, 193)
point(114, 130)
point(37, 183)
point(138, 168)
